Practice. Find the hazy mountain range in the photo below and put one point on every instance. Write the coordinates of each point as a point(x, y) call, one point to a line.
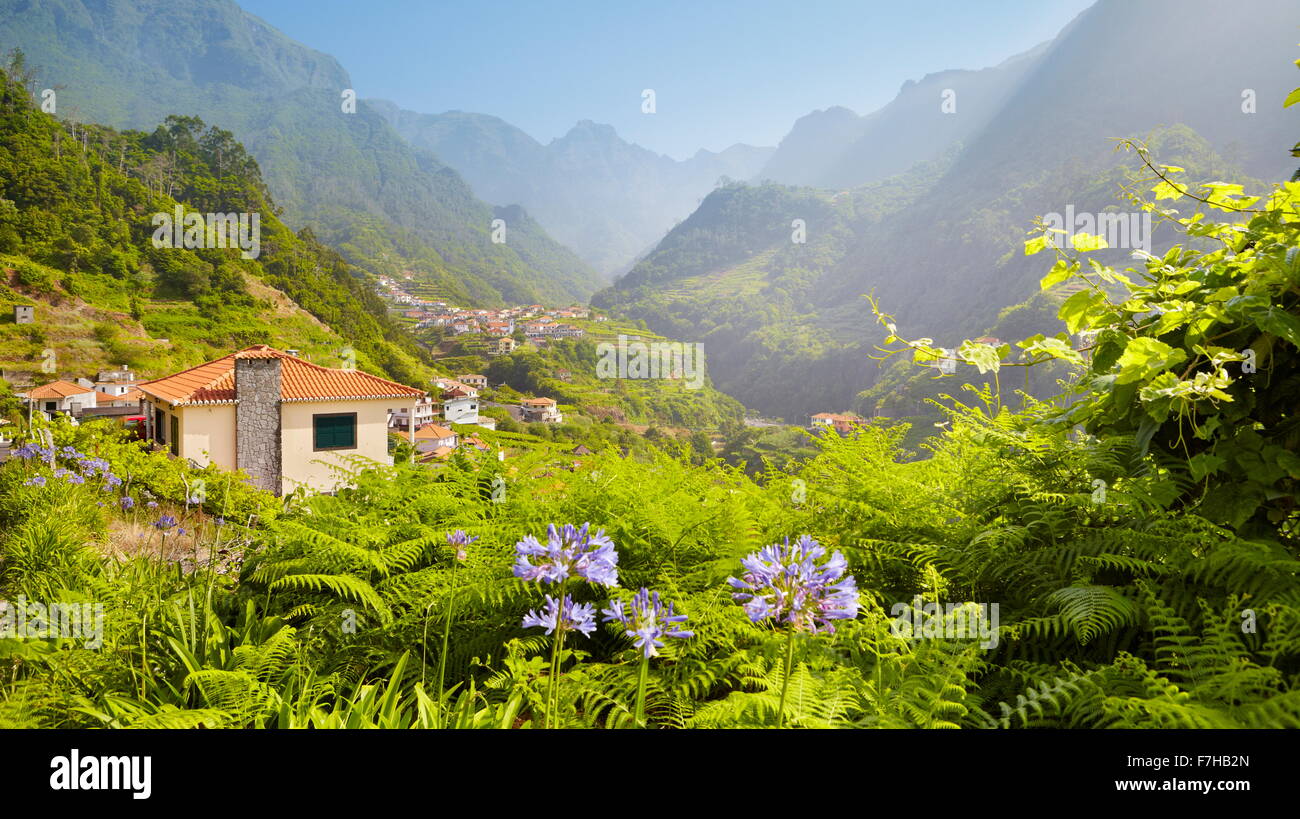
point(608, 199)
point(785, 324)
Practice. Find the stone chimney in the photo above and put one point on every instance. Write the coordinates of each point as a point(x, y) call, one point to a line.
point(257, 420)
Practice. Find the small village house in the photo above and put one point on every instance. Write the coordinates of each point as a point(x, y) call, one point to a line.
point(541, 410)
point(423, 412)
point(478, 382)
point(436, 434)
point(60, 396)
point(460, 406)
point(286, 422)
point(841, 423)
point(24, 313)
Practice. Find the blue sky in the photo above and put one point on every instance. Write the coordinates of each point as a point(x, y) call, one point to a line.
point(723, 71)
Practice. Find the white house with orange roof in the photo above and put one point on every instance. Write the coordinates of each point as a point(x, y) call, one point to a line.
point(286, 422)
point(541, 410)
point(60, 396)
point(843, 423)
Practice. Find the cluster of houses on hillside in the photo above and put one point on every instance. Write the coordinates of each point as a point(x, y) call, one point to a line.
point(286, 422)
point(537, 323)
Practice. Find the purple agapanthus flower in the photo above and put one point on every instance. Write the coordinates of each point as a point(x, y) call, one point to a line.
point(220, 521)
point(92, 465)
point(127, 502)
point(33, 450)
point(38, 480)
point(165, 522)
point(787, 584)
point(72, 477)
point(568, 551)
point(460, 540)
point(152, 504)
point(647, 621)
point(568, 616)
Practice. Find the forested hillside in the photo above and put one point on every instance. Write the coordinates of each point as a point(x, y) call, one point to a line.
point(77, 206)
point(343, 171)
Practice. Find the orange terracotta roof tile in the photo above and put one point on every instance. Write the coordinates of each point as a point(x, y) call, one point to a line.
point(57, 389)
point(214, 382)
point(433, 431)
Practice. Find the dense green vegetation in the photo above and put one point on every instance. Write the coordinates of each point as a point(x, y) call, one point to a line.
point(936, 248)
point(1139, 538)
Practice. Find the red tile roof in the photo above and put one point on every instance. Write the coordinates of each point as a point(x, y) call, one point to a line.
point(214, 382)
point(433, 431)
point(57, 389)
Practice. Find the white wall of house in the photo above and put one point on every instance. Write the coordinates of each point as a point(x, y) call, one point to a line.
point(460, 410)
point(71, 404)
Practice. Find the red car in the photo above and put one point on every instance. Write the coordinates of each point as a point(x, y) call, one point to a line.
point(135, 424)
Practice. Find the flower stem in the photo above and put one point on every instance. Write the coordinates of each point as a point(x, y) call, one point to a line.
point(553, 696)
point(640, 691)
point(785, 681)
point(446, 634)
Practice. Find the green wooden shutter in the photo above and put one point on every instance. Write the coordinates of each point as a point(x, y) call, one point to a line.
point(334, 431)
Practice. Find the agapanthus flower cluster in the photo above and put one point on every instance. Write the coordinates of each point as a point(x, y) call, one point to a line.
point(787, 584)
point(647, 620)
point(568, 552)
point(38, 480)
point(33, 450)
point(91, 466)
point(165, 522)
point(127, 502)
point(460, 540)
point(566, 616)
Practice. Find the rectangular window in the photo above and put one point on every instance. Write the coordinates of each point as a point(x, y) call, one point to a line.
point(334, 431)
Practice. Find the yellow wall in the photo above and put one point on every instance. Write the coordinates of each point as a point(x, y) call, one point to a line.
point(303, 465)
point(208, 435)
